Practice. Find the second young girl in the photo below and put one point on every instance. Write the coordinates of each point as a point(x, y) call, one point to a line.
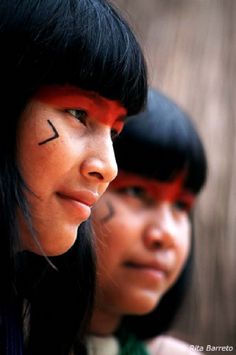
point(143, 232)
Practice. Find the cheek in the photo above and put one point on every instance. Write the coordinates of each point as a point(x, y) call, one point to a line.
point(42, 148)
point(184, 242)
point(181, 252)
point(32, 129)
point(113, 238)
point(125, 221)
point(37, 162)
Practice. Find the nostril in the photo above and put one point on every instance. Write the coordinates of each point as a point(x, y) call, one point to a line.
point(96, 175)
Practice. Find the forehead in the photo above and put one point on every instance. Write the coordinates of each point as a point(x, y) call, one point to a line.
point(70, 97)
point(167, 191)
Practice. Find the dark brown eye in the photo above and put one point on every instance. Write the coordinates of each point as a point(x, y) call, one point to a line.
point(181, 205)
point(80, 115)
point(135, 191)
point(138, 192)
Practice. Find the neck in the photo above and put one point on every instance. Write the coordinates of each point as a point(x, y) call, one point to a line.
point(103, 323)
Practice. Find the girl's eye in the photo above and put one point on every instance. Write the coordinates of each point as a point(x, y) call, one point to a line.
point(138, 192)
point(79, 114)
point(135, 191)
point(182, 205)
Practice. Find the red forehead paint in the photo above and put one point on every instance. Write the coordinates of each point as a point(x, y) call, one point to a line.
point(108, 112)
point(160, 191)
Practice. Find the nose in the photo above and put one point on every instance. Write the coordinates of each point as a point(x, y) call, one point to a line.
point(100, 165)
point(159, 231)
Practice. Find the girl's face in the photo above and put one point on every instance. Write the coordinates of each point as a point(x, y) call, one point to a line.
point(66, 159)
point(142, 232)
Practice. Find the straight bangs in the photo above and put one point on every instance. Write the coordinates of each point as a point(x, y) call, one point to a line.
point(79, 42)
point(161, 143)
point(106, 58)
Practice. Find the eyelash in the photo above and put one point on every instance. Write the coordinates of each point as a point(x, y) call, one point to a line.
point(182, 205)
point(131, 190)
point(139, 193)
point(116, 129)
point(114, 134)
point(80, 115)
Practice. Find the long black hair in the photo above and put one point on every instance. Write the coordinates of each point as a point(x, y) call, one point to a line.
point(84, 43)
point(160, 143)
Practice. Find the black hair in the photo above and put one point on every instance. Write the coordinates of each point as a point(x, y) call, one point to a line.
point(166, 143)
point(84, 43)
point(38, 283)
point(80, 42)
point(160, 143)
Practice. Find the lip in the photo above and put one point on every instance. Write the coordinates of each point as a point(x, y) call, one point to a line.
point(152, 266)
point(78, 203)
point(85, 197)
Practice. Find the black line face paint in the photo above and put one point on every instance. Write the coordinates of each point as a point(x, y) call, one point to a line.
point(55, 136)
point(111, 212)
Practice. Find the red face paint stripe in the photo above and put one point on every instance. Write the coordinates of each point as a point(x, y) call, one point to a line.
point(167, 191)
point(108, 112)
point(118, 125)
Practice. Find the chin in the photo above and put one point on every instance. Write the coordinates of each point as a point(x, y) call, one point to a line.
point(141, 309)
point(59, 249)
point(143, 304)
point(56, 247)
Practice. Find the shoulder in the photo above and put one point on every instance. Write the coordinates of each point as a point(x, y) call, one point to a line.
point(165, 345)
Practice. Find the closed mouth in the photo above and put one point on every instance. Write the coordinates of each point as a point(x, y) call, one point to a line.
point(146, 266)
point(87, 198)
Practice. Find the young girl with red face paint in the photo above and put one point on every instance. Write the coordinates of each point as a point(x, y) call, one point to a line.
point(143, 232)
point(71, 71)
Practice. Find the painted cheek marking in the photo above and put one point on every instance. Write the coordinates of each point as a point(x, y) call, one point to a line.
point(55, 136)
point(108, 112)
point(111, 212)
point(166, 191)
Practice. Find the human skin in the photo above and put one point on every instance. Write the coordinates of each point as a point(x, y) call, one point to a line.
point(142, 241)
point(66, 159)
